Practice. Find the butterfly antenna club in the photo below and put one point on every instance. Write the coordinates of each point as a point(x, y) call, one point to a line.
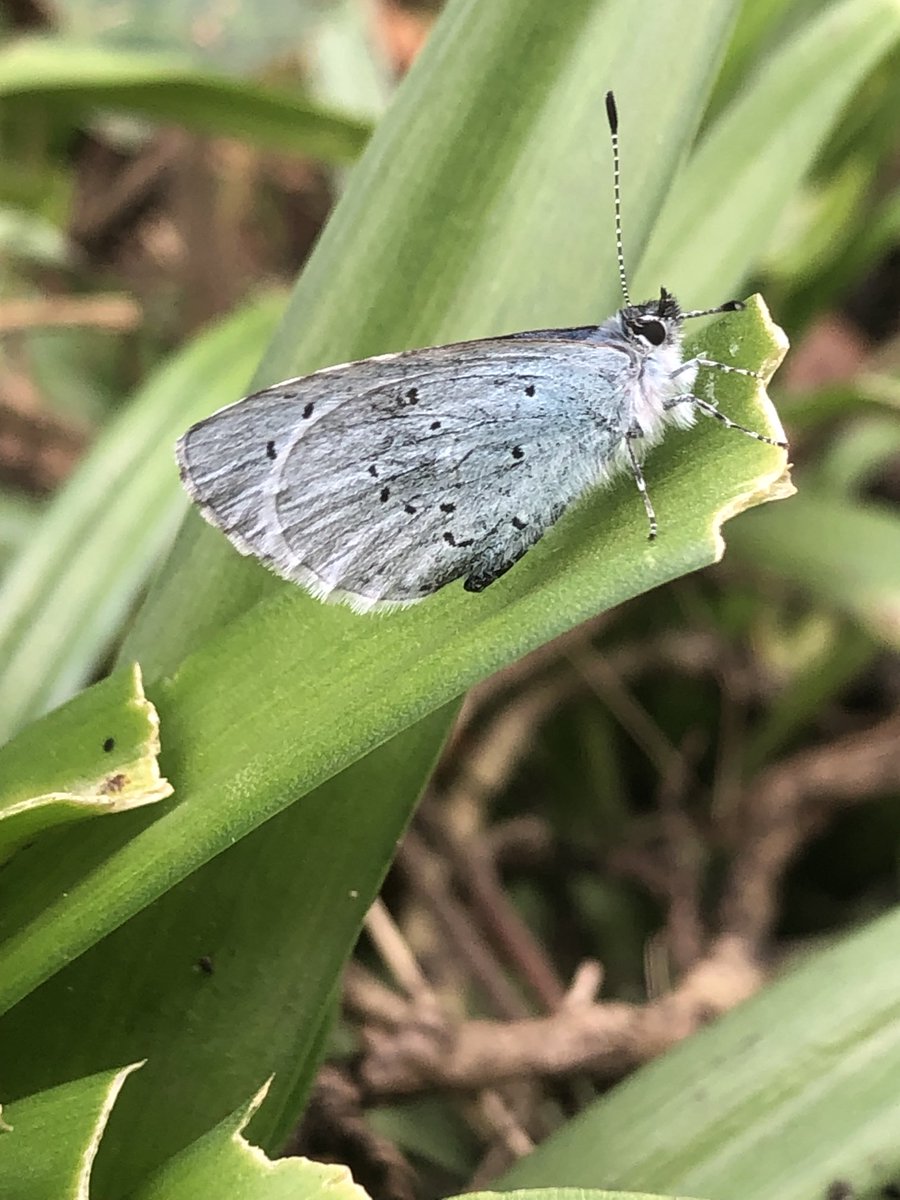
point(613, 117)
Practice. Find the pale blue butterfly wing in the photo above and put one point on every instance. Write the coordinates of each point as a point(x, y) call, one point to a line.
point(380, 481)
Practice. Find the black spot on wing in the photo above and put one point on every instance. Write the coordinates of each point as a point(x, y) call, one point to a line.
point(413, 395)
point(308, 410)
point(373, 471)
point(270, 450)
point(385, 495)
point(411, 509)
point(517, 452)
point(519, 523)
point(448, 507)
point(529, 391)
point(435, 424)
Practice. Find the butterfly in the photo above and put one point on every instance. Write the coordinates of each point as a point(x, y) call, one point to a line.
point(378, 482)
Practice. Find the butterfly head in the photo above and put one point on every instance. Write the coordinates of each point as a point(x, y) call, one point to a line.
point(657, 323)
point(654, 323)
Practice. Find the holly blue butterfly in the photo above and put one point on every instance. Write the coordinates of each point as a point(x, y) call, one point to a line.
point(378, 482)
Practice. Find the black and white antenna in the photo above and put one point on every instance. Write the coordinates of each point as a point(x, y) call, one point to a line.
point(613, 117)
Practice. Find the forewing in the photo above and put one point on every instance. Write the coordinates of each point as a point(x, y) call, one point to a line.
point(229, 461)
point(381, 481)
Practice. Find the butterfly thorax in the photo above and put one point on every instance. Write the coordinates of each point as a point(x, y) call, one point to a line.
point(650, 335)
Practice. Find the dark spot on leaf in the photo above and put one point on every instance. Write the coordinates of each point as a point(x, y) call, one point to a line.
point(109, 744)
point(113, 784)
point(270, 450)
point(529, 391)
point(205, 964)
point(385, 495)
point(308, 410)
point(373, 471)
point(518, 452)
point(413, 395)
point(448, 508)
point(435, 424)
point(518, 522)
point(410, 508)
point(840, 1189)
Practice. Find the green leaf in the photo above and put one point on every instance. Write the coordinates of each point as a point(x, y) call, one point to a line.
point(249, 35)
point(474, 211)
point(30, 237)
point(219, 712)
point(223, 1163)
point(243, 744)
point(869, 394)
point(83, 76)
point(750, 161)
point(48, 1141)
point(19, 517)
point(844, 654)
point(791, 1091)
point(85, 760)
point(229, 976)
point(63, 598)
point(858, 453)
point(470, 212)
point(838, 551)
point(430, 1129)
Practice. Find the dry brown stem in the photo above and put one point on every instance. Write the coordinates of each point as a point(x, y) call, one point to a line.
point(111, 313)
point(495, 913)
point(429, 875)
point(787, 804)
point(772, 818)
point(607, 1039)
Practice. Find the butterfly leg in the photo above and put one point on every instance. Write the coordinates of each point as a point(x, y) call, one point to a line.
point(692, 364)
point(641, 484)
point(711, 411)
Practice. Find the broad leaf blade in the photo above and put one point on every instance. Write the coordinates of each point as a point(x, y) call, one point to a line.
point(94, 759)
point(795, 1089)
point(839, 551)
point(223, 1162)
point(63, 599)
point(242, 743)
point(749, 162)
point(472, 175)
point(482, 205)
point(84, 77)
point(48, 1141)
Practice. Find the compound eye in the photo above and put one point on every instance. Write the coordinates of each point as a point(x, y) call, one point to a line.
point(653, 331)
